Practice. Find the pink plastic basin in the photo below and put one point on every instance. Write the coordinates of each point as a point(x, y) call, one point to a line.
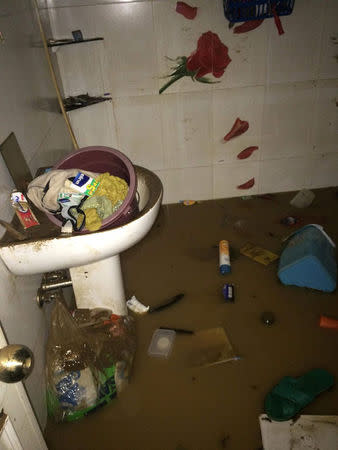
point(105, 159)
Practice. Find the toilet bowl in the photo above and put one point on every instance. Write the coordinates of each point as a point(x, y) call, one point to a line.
point(93, 258)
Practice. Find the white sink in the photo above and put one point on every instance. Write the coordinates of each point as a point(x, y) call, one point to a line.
point(93, 259)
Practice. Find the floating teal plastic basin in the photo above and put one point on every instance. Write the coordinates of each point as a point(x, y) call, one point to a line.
point(308, 260)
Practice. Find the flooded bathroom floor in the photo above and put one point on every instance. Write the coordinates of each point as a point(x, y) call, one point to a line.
point(169, 406)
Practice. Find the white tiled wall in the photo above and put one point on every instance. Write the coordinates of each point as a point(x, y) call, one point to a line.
point(325, 116)
point(287, 120)
point(192, 182)
point(228, 104)
point(28, 109)
point(95, 125)
point(295, 55)
point(142, 143)
point(228, 176)
point(187, 129)
point(284, 86)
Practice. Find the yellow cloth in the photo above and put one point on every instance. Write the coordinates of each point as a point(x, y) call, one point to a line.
point(93, 220)
point(102, 204)
point(115, 189)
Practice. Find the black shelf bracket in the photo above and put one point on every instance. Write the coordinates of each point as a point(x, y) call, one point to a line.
point(71, 42)
point(85, 102)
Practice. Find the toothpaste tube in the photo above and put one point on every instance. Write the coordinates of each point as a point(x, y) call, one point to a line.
point(84, 184)
point(23, 211)
point(136, 306)
point(224, 257)
point(70, 197)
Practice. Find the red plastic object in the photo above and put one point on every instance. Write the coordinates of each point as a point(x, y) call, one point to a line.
point(328, 322)
point(105, 159)
point(244, 154)
point(238, 128)
point(248, 185)
point(113, 318)
point(189, 12)
point(248, 26)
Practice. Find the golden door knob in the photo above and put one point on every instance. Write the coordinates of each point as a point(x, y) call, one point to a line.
point(16, 363)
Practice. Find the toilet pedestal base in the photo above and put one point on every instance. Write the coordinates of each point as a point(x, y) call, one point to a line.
point(100, 285)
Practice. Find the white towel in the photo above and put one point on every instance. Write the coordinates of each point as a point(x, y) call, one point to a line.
point(43, 191)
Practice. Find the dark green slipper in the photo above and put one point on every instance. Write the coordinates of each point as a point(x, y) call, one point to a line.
point(291, 395)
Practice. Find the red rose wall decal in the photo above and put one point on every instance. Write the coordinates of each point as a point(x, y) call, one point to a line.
point(211, 56)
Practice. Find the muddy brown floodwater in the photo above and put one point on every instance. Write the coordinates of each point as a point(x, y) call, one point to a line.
point(169, 406)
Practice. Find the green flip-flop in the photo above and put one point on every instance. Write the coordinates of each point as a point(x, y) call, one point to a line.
point(291, 395)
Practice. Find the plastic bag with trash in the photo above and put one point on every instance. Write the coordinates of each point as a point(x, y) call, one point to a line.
point(89, 359)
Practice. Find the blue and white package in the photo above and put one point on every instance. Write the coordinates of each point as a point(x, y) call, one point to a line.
point(84, 184)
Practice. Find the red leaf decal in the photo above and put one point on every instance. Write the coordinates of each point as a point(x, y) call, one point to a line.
point(189, 12)
point(246, 152)
point(238, 128)
point(248, 26)
point(247, 185)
